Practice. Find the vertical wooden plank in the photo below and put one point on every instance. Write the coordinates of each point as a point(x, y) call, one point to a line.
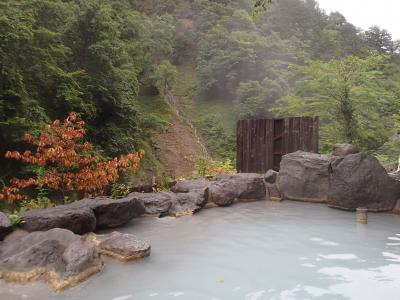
point(316, 134)
point(307, 134)
point(263, 146)
point(269, 129)
point(239, 146)
point(310, 141)
point(291, 137)
point(254, 146)
point(303, 134)
point(245, 154)
point(257, 147)
point(248, 146)
point(292, 132)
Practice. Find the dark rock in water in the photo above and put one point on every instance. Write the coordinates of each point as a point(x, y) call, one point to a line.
point(186, 186)
point(5, 226)
point(78, 220)
point(154, 203)
point(58, 256)
point(358, 180)
point(111, 212)
point(85, 215)
point(124, 247)
point(241, 187)
point(187, 203)
point(271, 176)
point(344, 149)
point(304, 176)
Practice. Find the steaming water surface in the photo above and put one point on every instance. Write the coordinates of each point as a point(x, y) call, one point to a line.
point(253, 251)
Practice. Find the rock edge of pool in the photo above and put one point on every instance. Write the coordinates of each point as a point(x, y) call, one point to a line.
point(58, 245)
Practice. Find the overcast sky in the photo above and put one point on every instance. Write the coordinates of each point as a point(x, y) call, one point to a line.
point(366, 13)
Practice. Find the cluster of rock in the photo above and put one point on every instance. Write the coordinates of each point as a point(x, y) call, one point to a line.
point(48, 244)
point(347, 181)
point(50, 247)
point(84, 216)
point(62, 258)
point(189, 196)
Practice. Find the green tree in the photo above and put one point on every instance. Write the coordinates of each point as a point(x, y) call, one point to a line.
point(380, 40)
point(164, 76)
point(350, 97)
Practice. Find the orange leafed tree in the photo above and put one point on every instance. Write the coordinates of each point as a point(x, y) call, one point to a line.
point(68, 162)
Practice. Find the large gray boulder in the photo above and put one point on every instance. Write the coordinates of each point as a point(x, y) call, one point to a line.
point(5, 226)
point(358, 180)
point(58, 256)
point(85, 215)
point(154, 203)
point(222, 193)
point(184, 204)
point(110, 212)
point(124, 247)
point(240, 187)
point(304, 176)
point(171, 204)
point(78, 220)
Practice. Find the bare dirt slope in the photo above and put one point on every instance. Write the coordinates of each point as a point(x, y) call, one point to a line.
point(177, 149)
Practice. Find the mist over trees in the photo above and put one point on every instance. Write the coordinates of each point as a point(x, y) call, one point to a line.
point(96, 57)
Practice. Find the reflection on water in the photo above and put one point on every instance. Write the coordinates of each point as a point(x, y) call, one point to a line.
point(254, 251)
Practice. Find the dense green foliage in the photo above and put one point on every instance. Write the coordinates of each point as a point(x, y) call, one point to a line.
point(352, 96)
point(105, 58)
point(85, 56)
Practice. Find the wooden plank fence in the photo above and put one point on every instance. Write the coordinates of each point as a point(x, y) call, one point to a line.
point(260, 144)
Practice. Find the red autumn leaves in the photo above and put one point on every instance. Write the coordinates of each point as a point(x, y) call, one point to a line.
point(69, 164)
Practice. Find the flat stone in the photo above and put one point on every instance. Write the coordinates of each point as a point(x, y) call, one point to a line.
point(78, 220)
point(124, 247)
point(57, 256)
point(5, 226)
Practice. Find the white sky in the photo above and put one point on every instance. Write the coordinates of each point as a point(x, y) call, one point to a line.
point(366, 13)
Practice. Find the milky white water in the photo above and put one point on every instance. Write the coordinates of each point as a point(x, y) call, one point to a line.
point(253, 251)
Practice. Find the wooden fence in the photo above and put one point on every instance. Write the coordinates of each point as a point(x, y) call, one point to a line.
point(260, 144)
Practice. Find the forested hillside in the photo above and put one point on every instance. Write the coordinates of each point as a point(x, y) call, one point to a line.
point(112, 61)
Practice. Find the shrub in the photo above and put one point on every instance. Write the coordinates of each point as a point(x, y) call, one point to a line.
point(209, 168)
point(119, 190)
point(66, 163)
point(15, 219)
